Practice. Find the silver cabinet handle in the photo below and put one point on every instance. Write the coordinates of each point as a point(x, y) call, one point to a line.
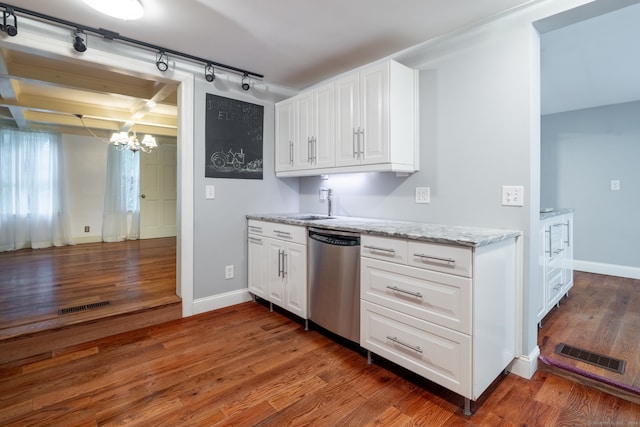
point(255, 239)
point(435, 258)
point(309, 149)
point(284, 234)
point(397, 289)
point(376, 248)
point(255, 228)
point(550, 251)
point(280, 263)
point(412, 347)
point(355, 149)
point(284, 264)
point(361, 143)
point(567, 242)
point(291, 152)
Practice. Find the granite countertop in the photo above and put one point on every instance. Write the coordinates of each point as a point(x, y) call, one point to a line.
point(436, 233)
point(555, 212)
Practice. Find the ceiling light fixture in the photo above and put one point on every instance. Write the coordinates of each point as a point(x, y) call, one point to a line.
point(209, 74)
point(162, 61)
point(9, 28)
point(123, 141)
point(79, 43)
point(128, 10)
point(245, 84)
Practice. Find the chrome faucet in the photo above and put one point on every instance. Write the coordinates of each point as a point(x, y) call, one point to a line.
point(329, 207)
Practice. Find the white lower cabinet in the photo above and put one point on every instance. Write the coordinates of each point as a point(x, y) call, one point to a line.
point(445, 312)
point(277, 264)
point(556, 261)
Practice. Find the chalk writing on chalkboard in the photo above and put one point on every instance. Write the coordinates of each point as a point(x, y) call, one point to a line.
point(233, 138)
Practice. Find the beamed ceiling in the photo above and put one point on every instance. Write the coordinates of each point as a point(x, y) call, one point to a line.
point(49, 94)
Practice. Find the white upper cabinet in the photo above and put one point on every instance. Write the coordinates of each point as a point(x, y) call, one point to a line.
point(285, 134)
point(360, 121)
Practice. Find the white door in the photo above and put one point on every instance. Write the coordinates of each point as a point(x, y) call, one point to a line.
point(275, 271)
point(374, 113)
point(158, 192)
point(296, 279)
point(324, 132)
point(347, 114)
point(285, 128)
point(304, 130)
point(258, 265)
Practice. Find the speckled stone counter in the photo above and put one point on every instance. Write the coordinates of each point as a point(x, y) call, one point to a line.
point(555, 212)
point(436, 233)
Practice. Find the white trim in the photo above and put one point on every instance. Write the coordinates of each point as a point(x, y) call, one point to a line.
point(608, 269)
point(214, 302)
point(525, 366)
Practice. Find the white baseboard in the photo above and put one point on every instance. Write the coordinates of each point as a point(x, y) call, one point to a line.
point(525, 366)
point(214, 302)
point(79, 240)
point(608, 269)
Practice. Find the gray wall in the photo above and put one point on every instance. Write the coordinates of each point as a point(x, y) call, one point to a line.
point(220, 224)
point(582, 151)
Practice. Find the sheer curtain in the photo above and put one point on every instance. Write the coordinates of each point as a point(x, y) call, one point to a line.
point(121, 218)
point(33, 205)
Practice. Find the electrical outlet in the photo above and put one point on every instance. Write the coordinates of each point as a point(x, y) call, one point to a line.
point(423, 194)
point(228, 272)
point(615, 185)
point(86, 228)
point(323, 194)
point(512, 195)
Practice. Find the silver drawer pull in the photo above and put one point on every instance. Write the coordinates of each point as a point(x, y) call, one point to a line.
point(282, 233)
point(253, 227)
point(397, 289)
point(435, 258)
point(412, 347)
point(255, 239)
point(375, 248)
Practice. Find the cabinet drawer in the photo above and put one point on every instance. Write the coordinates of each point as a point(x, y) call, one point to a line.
point(554, 285)
point(438, 354)
point(258, 227)
point(289, 233)
point(436, 297)
point(444, 258)
point(384, 248)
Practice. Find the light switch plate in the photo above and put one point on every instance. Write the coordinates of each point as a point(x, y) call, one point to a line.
point(210, 192)
point(512, 195)
point(615, 185)
point(228, 272)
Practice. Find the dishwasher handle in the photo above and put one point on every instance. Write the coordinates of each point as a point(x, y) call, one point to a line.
point(335, 238)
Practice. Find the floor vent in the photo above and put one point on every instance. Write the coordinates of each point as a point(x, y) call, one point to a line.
point(606, 362)
point(83, 307)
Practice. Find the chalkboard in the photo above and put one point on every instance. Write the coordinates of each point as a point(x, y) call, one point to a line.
point(233, 138)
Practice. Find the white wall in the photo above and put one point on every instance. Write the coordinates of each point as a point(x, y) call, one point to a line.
point(582, 152)
point(85, 174)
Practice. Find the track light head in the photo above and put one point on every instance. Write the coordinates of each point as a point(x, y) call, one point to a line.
point(9, 22)
point(162, 61)
point(209, 74)
point(79, 43)
point(245, 83)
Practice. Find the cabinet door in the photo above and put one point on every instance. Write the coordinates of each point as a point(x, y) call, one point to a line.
point(374, 114)
point(275, 271)
point(347, 114)
point(285, 134)
point(257, 271)
point(304, 130)
point(296, 279)
point(323, 145)
point(541, 294)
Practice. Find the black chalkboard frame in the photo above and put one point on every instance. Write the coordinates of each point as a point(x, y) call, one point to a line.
point(233, 138)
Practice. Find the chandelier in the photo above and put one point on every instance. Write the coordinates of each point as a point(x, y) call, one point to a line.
point(123, 141)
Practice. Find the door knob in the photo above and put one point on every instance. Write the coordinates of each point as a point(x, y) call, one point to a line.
point(143, 196)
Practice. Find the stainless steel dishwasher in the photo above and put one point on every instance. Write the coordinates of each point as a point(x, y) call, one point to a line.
point(334, 281)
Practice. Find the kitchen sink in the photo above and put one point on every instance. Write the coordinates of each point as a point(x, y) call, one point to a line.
point(309, 217)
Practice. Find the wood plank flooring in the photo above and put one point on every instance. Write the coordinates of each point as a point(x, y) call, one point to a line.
point(137, 277)
point(246, 366)
point(602, 315)
point(35, 284)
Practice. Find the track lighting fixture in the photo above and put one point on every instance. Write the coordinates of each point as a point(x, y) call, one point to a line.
point(209, 74)
point(9, 22)
point(80, 43)
point(245, 83)
point(162, 61)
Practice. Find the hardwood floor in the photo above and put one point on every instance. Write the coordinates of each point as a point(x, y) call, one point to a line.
point(246, 366)
point(134, 276)
point(602, 315)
